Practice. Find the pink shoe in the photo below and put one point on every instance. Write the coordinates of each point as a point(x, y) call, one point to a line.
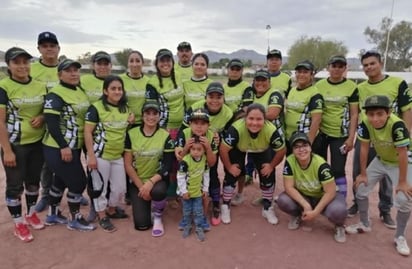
point(34, 221)
point(22, 232)
point(216, 216)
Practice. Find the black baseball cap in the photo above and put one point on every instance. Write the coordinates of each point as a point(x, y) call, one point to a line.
point(297, 136)
point(306, 64)
point(151, 104)
point(199, 114)
point(184, 45)
point(215, 87)
point(235, 62)
point(274, 53)
point(63, 65)
point(14, 52)
point(377, 101)
point(164, 53)
point(261, 73)
point(337, 59)
point(101, 55)
point(47, 37)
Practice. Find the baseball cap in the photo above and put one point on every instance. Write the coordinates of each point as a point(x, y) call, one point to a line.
point(199, 114)
point(163, 53)
point(274, 53)
point(63, 65)
point(14, 52)
point(184, 45)
point(261, 73)
point(47, 37)
point(151, 104)
point(337, 59)
point(306, 64)
point(101, 55)
point(215, 87)
point(235, 62)
point(377, 101)
point(297, 136)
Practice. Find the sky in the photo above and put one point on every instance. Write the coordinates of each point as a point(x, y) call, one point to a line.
point(221, 25)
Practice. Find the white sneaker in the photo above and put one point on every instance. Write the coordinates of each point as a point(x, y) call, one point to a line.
point(270, 215)
point(358, 228)
point(225, 214)
point(340, 235)
point(294, 223)
point(237, 199)
point(402, 246)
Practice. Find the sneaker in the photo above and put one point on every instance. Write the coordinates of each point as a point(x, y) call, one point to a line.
point(358, 228)
point(107, 225)
point(237, 199)
point(42, 204)
point(200, 234)
point(92, 216)
point(270, 215)
point(34, 221)
point(22, 232)
point(352, 211)
point(340, 235)
point(294, 223)
point(216, 216)
point(182, 225)
point(388, 221)
point(80, 224)
point(84, 201)
point(205, 225)
point(186, 231)
point(225, 216)
point(248, 180)
point(402, 246)
point(257, 202)
point(55, 219)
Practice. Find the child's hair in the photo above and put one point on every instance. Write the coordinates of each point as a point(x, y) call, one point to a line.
point(122, 105)
point(196, 138)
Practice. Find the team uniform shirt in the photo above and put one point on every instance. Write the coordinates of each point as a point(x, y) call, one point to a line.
point(22, 102)
point(171, 101)
point(110, 130)
point(195, 90)
point(70, 104)
point(148, 151)
point(387, 139)
point(183, 72)
point(233, 95)
point(45, 74)
point(309, 181)
point(186, 134)
point(193, 176)
point(93, 86)
point(218, 122)
point(394, 88)
point(135, 91)
point(281, 82)
point(337, 97)
point(239, 136)
point(300, 106)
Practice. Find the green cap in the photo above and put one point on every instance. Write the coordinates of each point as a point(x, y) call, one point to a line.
point(337, 59)
point(14, 52)
point(261, 73)
point(380, 101)
point(274, 53)
point(101, 55)
point(63, 65)
point(164, 53)
point(235, 62)
point(151, 104)
point(306, 64)
point(215, 87)
point(297, 136)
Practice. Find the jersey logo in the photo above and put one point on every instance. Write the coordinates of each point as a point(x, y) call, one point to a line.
point(326, 173)
point(285, 170)
point(399, 134)
point(229, 139)
point(48, 103)
point(360, 131)
point(319, 103)
point(274, 99)
point(87, 115)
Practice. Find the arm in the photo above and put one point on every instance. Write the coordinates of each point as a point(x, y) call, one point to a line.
point(354, 114)
point(210, 154)
point(363, 156)
point(290, 189)
point(314, 126)
point(403, 185)
point(88, 142)
point(9, 156)
point(130, 170)
point(329, 194)
point(407, 118)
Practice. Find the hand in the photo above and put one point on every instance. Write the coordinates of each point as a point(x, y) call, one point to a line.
point(266, 170)
point(309, 215)
point(131, 118)
point(37, 122)
point(205, 142)
point(92, 162)
point(405, 188)
point(144, 191)
point(234, 170)
point(186, 196)
point(216, 138)
point(361, 179)
point(9, 159)
point(66, 154)
point(349, 144)
point(205, 194)
point(179, 154)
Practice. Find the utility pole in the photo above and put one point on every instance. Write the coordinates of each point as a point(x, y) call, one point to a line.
point(268, 30)
point(385, 55)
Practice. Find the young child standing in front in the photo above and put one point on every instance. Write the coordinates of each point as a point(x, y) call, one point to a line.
point(193, 184)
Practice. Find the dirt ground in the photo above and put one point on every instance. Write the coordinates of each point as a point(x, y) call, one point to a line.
point(248, 242)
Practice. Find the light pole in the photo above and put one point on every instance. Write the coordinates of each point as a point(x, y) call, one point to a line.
point(268, 30)
point(385, 55)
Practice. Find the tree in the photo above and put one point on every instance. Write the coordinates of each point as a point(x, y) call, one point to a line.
point(221, 63)
point(316, 50)
point(85, 58)
point(122, 56)
point(399, 54)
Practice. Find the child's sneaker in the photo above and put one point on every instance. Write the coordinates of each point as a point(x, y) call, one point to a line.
point(34, 221)
point(80, 224)
point(215, 216)
point(182, 225)
point(186, 231)
point(237, 199)
point(22, 232)
point(55, 219)
point(225, 214)
point(294, 223)
point(358, 228)
point(200, 234)
point(340, 235)
point(402, 246)
point(107, 225)
point(205, 225)
point(270, 215)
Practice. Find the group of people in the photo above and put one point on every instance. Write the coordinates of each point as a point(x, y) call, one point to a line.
point(160, 137)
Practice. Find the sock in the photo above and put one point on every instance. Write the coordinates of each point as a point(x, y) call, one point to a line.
point(14, 207)
point(31, 199)
point(267, 195)
point(363, 206)
point(401, 223)
point(227, 194)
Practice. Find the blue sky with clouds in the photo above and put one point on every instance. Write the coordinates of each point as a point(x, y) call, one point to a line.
point(225, 26)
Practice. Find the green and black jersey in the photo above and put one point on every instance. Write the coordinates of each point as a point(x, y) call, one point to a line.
point(195, 90)
point(300, 105)
point(234, 94)
point(171, 101)
point(135, 91)
point(110, 130)
point(385, 140)
point(93, 86)
point(45, 74)
point(218, 122)
point(184, 73)
point(193, 171)
point(148, 151)
point(281, 82)
point(22, 102)
point(70, 104)
point(337, 97)
point(308, 181)
point(239, 136)
point(186, 134)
